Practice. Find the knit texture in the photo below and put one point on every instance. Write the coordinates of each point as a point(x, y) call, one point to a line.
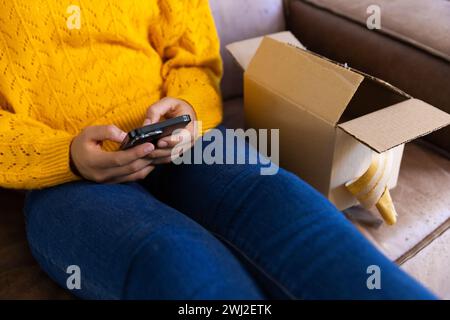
point(62, 70)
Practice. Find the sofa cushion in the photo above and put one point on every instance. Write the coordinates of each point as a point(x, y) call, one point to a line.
point(424, 24)
point(233, 113)
point(242, 19)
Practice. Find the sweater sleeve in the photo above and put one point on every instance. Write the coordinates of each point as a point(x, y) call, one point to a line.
point(192, 66)
point(32, 155)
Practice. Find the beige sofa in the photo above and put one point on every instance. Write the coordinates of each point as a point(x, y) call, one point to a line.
point(419, 242)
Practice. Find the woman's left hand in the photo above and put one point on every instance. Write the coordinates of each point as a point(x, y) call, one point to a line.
point(165, 109)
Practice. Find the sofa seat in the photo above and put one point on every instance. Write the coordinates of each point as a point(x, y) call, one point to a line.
point(422, 199)
point(430, 265)
point(419, 242)
point(20, 275)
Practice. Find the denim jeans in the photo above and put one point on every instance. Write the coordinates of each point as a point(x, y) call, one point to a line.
point(207, 232)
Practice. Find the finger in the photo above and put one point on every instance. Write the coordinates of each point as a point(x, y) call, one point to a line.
point(125, 157)
point(169, 152)
point(135, 166)
point(182, 136)
point(169, 142)
point(165, 160)
point(160, 153)
point(174, 154)
point(159, 109)
point(147, 122)
point(102, 133)
point(140, 175)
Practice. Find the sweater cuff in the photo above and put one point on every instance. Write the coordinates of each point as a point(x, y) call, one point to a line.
point(55, 167)
point(207, 108)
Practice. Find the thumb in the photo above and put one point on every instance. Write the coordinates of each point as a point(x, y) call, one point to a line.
point(159, 109)
point(102, 133)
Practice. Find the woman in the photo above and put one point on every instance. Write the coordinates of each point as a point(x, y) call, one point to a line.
point(75, 78)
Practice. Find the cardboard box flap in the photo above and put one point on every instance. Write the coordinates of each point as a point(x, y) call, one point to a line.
point(386, 85)
point(395, 125)
point(316, 85)
point(243, 51)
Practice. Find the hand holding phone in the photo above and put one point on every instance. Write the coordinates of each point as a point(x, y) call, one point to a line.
point(168, 146)
point(152, 133)
point(89, 161)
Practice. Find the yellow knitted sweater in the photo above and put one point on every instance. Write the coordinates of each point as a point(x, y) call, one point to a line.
point(65, 65)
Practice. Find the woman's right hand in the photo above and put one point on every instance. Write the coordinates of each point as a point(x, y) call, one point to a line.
point(101, 166)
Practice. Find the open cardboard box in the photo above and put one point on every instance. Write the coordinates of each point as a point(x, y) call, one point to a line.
point(326, 137)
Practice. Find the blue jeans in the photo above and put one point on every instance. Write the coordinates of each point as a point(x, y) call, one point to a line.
point(206, 232)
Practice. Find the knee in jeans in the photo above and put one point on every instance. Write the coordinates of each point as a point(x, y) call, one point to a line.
point(282, 180)
point(285, 186)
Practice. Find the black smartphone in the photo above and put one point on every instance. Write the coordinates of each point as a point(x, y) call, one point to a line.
point(152, 133)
